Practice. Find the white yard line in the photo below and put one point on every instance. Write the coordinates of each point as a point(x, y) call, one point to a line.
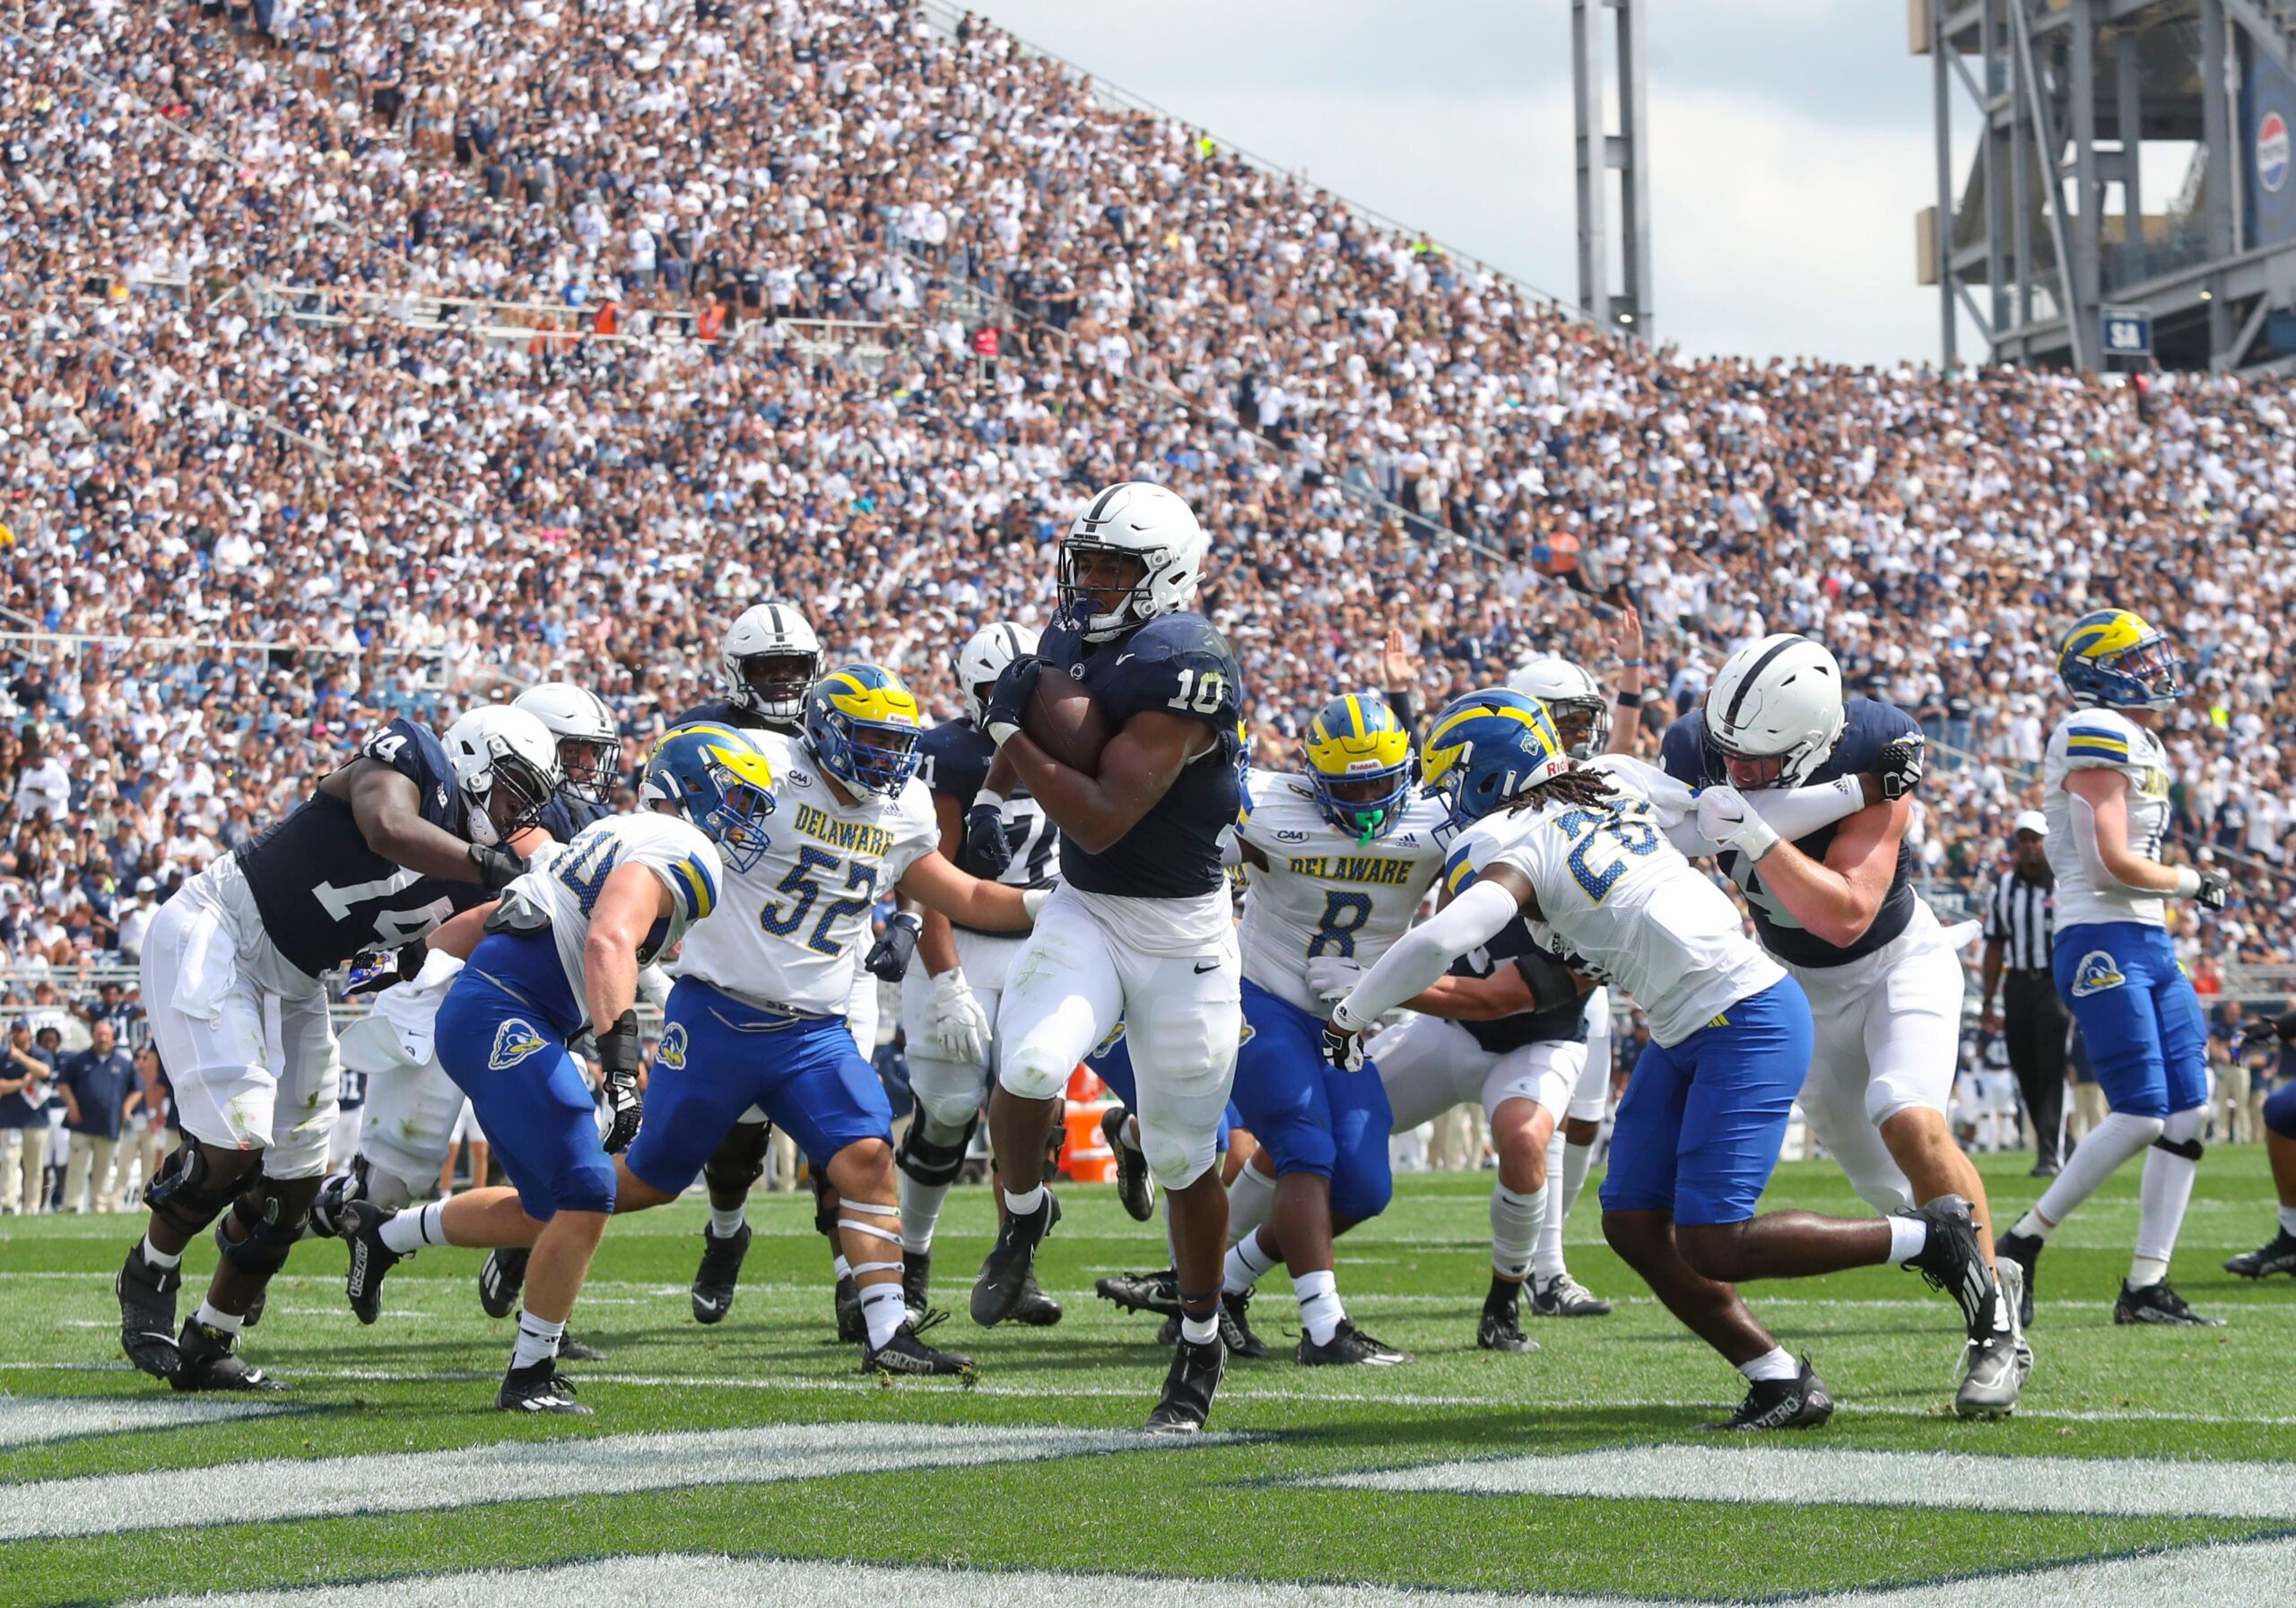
point(236, 1493)
point(25, 1419)
point(2214, 1577)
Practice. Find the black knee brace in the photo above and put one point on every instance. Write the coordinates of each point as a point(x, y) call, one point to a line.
point(931, 1162)
point(272, 1216)
point(1055, 1143)
point(186, 1194)
point(739, 1161)
point(2189, 1149)
point(824, 1207)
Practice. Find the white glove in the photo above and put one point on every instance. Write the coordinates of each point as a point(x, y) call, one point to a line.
point(959, 1027)
point(1332, 976)
point(1726, 817)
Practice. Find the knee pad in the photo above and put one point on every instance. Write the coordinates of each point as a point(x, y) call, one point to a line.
point(1033, 1072)
point(2280, 1112)
point(1176, 1160)
point(272, 1216)
point(931, 1162)
point(739, 1159)
point(190, 1191)
point(2180, 1133)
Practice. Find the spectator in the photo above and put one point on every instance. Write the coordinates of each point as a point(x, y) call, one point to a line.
point(98, 1085)
point(135, 916)
point(24, 1123)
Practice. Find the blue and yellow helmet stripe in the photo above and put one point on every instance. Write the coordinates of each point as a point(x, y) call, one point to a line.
point(862, 723)
point(722, 783)
point(1486, 748)
point(2116, 658)
point(1357, 741)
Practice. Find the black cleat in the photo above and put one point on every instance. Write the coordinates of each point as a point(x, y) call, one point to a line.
point(1157, 1291)
point(1349, 1344)
point(720, 1272)
point(1800, 1402)
point(501, 1281)
point(1004, 1273)
point(1235, 1326)
point(2279, 1256)
point(852, 1328)
point(537, 1388)
point(361, 1225)
point(2158, 1304)
point(1168, 1333)
point(571, 1350)
point(2025, 1251)
point(211, 1361)
point(1186, 1400)
point(1500, 1328)
point(1563, 1296)
point(917, 1282)
point(905, 1353)
point(1134, 1187)
point(147, 1313)
point(1036, 1309)
point(1952, 1261)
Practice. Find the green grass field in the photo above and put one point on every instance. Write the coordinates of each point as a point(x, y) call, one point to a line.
point(1237, 1509)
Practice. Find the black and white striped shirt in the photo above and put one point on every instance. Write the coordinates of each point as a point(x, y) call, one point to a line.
point(2023, 915)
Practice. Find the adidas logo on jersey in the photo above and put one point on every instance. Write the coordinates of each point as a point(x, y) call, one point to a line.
point(671, 1051)
point(514, 1041)
point(2096, 972)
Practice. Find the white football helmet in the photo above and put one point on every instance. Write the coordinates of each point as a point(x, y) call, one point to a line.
point(589, 743)
point(506, 766)
point(1568, 689)
point(982, 659)
point(1145, 521)
point(772, 659)
point(1776, 700)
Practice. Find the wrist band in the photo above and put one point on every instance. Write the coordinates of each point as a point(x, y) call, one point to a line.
point(2188, 883)
point(989, 796)
point(1629, 700)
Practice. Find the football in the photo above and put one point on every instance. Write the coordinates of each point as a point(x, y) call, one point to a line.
point(1065, 720)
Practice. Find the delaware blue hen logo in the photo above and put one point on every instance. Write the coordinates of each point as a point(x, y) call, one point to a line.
point(2096, 972)
point(514, 1041)
point(671, 1051)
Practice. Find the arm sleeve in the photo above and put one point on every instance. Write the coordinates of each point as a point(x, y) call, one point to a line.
point(1425, 952)
point(1798, 811)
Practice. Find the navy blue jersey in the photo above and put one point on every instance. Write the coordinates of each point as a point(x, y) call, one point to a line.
point(1565, 1024)
point(723, 711)
point(354, 1089)
point(1866, 727)
point(1178, 664)
point(325, 895)
point(952, 763)
point(566, 815)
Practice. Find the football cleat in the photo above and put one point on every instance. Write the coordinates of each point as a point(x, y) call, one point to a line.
point(147, 1313)
point(1134, 1187)
point(2279, 1256)
point(2013, 1292)
point(1235, 1326)
point(1951, 1260)
point(211, 1361)
point(1036, 1309)
point(2158, 1304)
point(501, 1281)
point(1168, 1333)
point(1186, 1400)
point(1563, 1296)
point(1349, 1344)
point(1993, 1371)
point(370, 1259)
point(1800, 1402)
point(2025, 1251)
point(1500, 1328)
point(571, 1350)
point(1157, 1291)
point(1004, 1273)
point(537, 1388)
point(720, 1270)
point(905, 1353)
point(852, 1328)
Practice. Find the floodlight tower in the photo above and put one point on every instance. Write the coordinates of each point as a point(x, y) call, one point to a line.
point(1602, 152)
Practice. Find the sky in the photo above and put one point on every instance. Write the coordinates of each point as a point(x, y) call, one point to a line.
point(1790, 141)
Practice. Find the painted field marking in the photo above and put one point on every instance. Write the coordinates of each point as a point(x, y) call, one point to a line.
point(27, 1420)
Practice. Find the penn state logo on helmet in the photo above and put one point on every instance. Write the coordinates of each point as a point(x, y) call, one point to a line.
point(861, 726)
point(1358, 764)
point(1485, 749)
point(671, 1051)
point(514, 1041)
point(1146, 538)
point(2117, 659)
point(2097, 973)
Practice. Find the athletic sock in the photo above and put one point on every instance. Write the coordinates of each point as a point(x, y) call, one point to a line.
point(920, 1213)
point(2287, 1223)
point(1198, 1331)
point(228, 1322)
point(2144, 1271)
point(2162, 1195)
point(407, 1232)
point(2113, 1142)
point(160, 1258)
point(724, 1225)
point(538, 1339)
point(1548, 1263)
point(1246, 1262)
point(1503, 1294)
point(1021, 1204)
point(1251, 1202)
point(1319, 1309)
point(1515, 1229)
point(884, 1310)
point(2031, 1226)
point(1776, 1363)
point(1908, 1235)
point(1578, 1161)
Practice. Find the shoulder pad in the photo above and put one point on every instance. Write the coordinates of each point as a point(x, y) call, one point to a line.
point(1171, 635)
point(1682, 751)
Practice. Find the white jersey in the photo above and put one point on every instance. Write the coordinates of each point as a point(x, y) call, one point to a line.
point(1323, 892)
point(566, 889)
point(1615, 893)
point(2105, 740)
point(798, 920)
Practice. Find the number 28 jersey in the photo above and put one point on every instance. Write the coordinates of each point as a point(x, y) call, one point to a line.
point(794, 924)
point(1614, 891)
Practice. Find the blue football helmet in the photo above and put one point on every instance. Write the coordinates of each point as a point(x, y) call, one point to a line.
point(1358, 764)
point(719, 781)
point(862, 726)
point(1485, 749)
point(2114, 658)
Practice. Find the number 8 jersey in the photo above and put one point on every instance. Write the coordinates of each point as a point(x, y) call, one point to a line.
point(794, 924)
point(1615, 892)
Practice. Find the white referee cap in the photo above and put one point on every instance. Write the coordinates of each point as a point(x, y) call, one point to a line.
point(2031, 820)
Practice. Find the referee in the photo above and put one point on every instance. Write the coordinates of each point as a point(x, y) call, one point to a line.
point(2019, 924)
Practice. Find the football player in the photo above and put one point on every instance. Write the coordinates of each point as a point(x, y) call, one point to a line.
point(2105, 782)
point(951, 984)
point(589, 753)
point(561, 956)
point(2277, 1254)
point(1698, 1131)
point(1837, 907)
point(1140, 927)
point(384, 849)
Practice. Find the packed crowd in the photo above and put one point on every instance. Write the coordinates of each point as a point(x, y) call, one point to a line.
point(341, 517)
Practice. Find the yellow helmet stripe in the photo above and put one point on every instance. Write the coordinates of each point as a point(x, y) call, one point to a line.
point(1357, 726)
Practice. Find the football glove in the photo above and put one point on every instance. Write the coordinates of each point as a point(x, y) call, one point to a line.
point(984, 838)
point(958, 1029)
point(888, 958)
point(1343, 1043)
point(1008, 704)
point(1898, 767)
point(1726, 818)
point(1332, 976)
point(618, 1056)
point(498, 868)
point(2215, 888)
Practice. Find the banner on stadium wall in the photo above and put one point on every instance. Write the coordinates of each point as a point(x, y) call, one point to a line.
point(2268, 150)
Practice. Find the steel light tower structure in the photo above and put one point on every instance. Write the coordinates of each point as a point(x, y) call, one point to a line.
point(1602, 152)
point(2129, 198)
